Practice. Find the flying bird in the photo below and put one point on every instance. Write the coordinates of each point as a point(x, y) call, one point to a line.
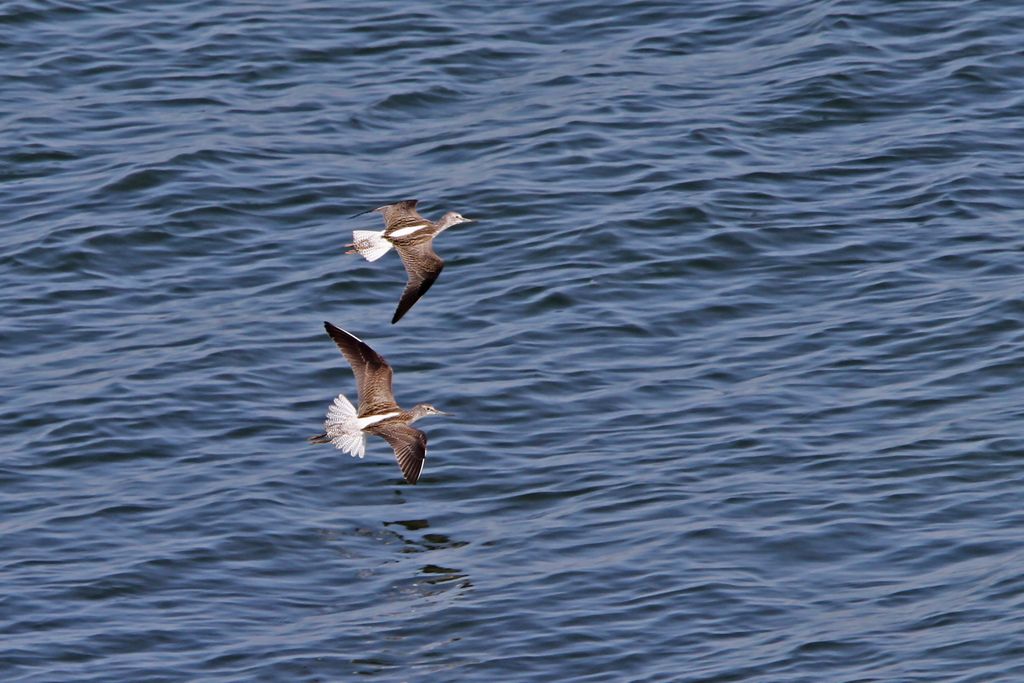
point(378, 413)
point(412, 236)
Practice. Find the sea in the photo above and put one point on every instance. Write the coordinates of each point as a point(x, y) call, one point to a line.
point(734, 347)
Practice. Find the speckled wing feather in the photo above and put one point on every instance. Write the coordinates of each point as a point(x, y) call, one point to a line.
point(409, 444)
point(400, 215)
point(373, 374)
point(423, 266)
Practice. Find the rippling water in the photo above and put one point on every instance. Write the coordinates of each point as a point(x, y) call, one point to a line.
point(735, 347)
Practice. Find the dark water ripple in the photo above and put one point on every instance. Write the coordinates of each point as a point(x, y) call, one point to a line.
point(735, 349)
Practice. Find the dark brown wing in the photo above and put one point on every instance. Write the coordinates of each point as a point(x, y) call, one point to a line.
point(373, 374)
point(409, 444)
point(401, 214)
point(423, 266)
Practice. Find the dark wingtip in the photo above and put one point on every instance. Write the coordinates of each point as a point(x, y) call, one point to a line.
point(341, 336)
point(335, 332)
point(402, 309)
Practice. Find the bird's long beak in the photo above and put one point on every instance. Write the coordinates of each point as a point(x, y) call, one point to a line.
point(441, 412)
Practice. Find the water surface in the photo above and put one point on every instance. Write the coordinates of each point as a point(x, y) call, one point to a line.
point(735, 346)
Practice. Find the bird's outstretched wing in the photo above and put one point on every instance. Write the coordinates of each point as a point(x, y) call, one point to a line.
point(373, 374)
point(401, 215)
point(409, 444)
point(423, 267)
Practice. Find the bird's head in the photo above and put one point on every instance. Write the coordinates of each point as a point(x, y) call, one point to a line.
point(453, 218)
point(424, 409)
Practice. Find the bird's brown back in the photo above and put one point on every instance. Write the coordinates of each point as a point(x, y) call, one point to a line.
point(401, 215)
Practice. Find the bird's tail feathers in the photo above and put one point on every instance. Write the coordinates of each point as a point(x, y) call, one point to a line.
point(343, 428)
point(369, 244)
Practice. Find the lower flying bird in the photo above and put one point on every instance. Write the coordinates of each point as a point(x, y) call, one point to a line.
point(412, 236)
point(378, 413)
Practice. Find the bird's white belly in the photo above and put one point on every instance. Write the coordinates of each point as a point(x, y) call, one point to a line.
point(364, 422)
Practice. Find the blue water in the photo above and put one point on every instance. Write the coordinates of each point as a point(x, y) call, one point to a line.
point(735, 348)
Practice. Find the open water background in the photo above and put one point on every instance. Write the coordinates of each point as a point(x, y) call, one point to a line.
point(736, 347)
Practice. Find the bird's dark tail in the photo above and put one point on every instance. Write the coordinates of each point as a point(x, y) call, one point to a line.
point(320, 438)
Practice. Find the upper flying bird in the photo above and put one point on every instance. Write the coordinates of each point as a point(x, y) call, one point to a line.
point(412, 236)
point(378, 413)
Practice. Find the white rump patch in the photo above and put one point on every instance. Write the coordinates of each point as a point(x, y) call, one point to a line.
point(343, 428)
point(365, 422)
point(405, 232)
point(370, 245)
